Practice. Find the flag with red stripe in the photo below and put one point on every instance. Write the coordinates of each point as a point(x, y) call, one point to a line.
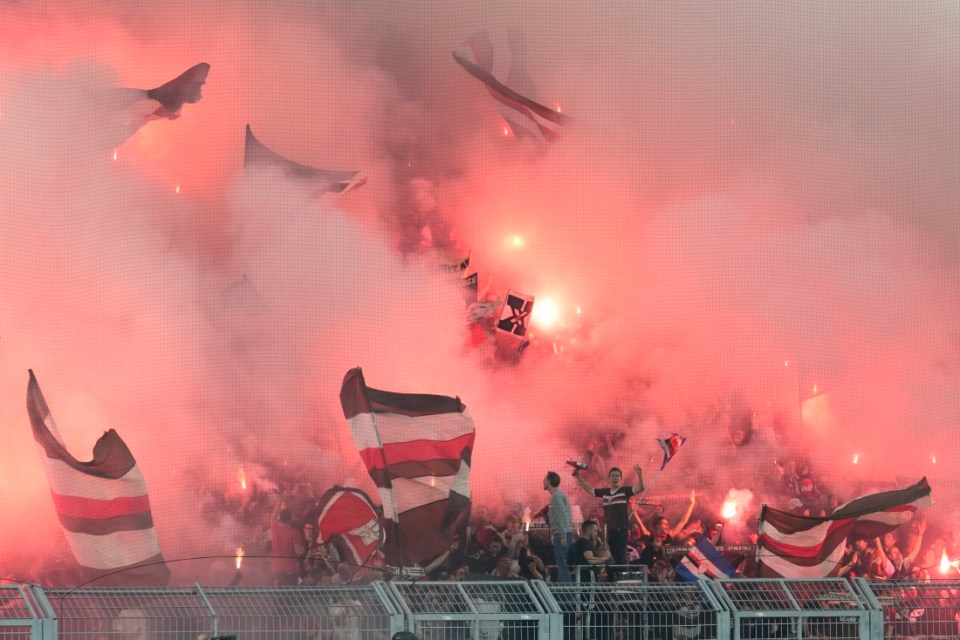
point(350, 522)
point(795, 546)
point(102, 504)
point(320, 181)
point(670, 447)
point(417, 449)
point(523, 113)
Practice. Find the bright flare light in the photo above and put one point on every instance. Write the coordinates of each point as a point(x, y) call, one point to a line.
point(856, 458)
point(557, 108)
point(238, 559)
point(946, 564)
point(516, 241)
point(114, 154)
point(506, 130)
point(545, 312)
point(178, 188)
point(729, 510)
point(242, 477)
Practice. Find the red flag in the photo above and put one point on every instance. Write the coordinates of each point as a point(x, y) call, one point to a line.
point(102, 504)
point(349, 521)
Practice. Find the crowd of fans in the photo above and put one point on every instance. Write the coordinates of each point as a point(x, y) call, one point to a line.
point(276, 522)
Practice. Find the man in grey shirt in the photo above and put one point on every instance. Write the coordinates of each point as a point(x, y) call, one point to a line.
point(561, 524)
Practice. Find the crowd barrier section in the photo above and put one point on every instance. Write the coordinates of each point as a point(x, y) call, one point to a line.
point(928, 610)
point(21, 616)
point(482, 610)
point(773, 608)
point(492, 610)
point(332, 612)
point(637, 611)
point(126, 613)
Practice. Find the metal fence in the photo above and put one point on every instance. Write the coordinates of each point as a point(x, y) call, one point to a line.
point(20, 617)
point(928, 610)
point(493, 610)
point(485, 610)
point(637, 611)
point(829, 608)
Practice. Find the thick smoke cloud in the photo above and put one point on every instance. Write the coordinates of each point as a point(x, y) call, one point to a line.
point(749, 200)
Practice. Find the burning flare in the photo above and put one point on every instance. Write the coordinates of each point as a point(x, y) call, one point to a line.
point(946, 564)
point(238, 558)
point(729, 510)
point(546, 313)
point(242, 477)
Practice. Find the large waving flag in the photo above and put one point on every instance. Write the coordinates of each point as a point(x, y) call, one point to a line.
point(670, 447)
point(102, 504)
point(417, 449)
point(523, 113)
point(793, 546)
point(319, 180)
point(704, 561)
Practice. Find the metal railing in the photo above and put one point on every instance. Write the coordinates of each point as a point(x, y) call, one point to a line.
point(773, 608)
point(929, 610)
point(612, 611)
point(484, 610)
point(21, 617)
point(493, 610)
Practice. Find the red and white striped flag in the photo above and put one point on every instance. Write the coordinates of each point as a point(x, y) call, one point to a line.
point(794, 546)
point(102, 504)
point(417, 449)
point(522, 112)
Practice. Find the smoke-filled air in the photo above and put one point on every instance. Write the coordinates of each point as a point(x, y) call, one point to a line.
point(744, 229)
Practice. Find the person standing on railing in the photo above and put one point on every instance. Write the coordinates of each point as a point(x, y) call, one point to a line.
point(616, 499)
point(559, 518)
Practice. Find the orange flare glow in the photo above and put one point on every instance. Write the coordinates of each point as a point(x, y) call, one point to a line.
point(557, 108)
point(516, 241)
point(946, 564)
point(242, 477)
point(238, 559)
point(506, 130)
point(856, 458)
point(178, 188)
point(114, 154)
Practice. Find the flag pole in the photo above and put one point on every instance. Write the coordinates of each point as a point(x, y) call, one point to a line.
point(646, 488)
point(386, 471)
